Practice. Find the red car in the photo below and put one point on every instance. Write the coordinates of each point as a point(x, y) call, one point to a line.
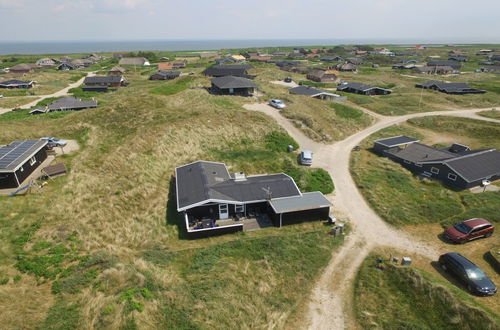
point(469, 230)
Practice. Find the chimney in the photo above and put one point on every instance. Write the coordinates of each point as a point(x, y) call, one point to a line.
point(240, 176)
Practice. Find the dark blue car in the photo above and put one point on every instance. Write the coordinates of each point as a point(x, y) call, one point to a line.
point(466, 272)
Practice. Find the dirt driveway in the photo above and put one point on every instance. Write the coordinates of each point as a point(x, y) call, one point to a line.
point(329, 305)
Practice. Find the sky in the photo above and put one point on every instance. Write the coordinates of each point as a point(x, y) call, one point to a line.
point(75, 20)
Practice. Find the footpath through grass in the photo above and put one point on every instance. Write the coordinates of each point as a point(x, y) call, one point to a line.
point(396, 297)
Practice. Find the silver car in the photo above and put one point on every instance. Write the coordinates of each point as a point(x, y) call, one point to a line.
point(278, 104)
point(306, 157)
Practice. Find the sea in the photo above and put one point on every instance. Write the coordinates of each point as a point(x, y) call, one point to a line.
point(68, 47)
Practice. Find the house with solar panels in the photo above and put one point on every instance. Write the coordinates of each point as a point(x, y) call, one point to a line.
point(213, 201)
point(18, 160)
point(456, 165)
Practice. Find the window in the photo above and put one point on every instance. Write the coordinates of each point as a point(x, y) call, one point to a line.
point(32, 161)
point(434, 170)
point(407, 161)
point(452, 176)
point(239, 208)
point(419, 165)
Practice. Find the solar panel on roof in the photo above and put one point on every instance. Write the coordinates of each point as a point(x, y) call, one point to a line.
point(16, 152)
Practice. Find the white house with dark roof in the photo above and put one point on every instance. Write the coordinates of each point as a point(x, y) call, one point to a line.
point(214, 201)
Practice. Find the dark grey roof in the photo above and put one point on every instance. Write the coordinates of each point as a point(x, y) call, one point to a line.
point(444, 63)
point(450, 88)
point(308, 201)
point(15, 82)
point(71, 103)
point(238, 70)
point(12, 156)
point(357, 86)
point(417, 152)
point(305, 90)
point(201, 182)
point(168, 73)
point(476, 166)
point(396, 141)
point(103, 79)
point(227, 82)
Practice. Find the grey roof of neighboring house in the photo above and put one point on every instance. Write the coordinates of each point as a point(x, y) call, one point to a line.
point(476, 166)
point(227, 82)
point(71, 103)
point(308, 201)
point(357, 86)
point(202, 182)
point(13, 155)
point(15, 82)
point(132, 61)
point(305, 90)
point(418, 152)
point(396, 141)
point(238, 70)
point(103, 79)
point(23, 66)
point(447, 87)
point(444, 63)
point(117, 69)
point(167, 73)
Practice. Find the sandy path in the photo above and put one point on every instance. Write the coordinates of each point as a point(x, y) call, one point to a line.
point(59, 93)
point(329, 305)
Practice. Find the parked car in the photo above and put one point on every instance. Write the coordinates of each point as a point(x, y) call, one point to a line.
point(465, 271)
point(1, 96)
point(288, 79)
point(278, 104)
point(54, 142)
point(469, 230)
point(306, 157)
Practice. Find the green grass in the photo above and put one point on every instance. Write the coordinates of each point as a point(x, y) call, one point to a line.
point(61, 316)
point(400, 198)
point(345, 111)
point(174, 87)
point(495, 114)
point(409, 298)
point(488, 134)
point(280, 270)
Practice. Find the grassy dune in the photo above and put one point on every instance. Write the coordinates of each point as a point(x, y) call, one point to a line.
point(103, 246)
point(410, 298)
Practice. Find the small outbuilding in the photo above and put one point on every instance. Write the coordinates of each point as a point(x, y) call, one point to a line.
point(116, 71)
point(324, 76)
point(164, 75)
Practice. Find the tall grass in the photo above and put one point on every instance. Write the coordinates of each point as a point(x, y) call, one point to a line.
point(408, 298)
